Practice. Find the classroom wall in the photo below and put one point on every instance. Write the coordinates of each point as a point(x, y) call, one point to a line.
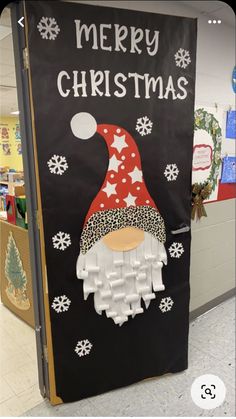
point(213, 238)
point(10, 139)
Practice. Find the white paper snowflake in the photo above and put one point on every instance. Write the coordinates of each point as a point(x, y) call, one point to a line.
point(176, 250)
point(83, 347)
point(144, 126)
point(171, 172)
point(57, 164)
point(61, 240)
point(48, 28)
point(166, 304)
point(61, 303)
point(182, 58)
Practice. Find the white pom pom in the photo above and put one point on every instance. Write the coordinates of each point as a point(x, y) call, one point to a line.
point(83, 125)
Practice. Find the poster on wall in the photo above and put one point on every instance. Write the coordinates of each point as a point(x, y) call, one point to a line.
point(234, 79)
point(10, 143)
point(115, 181)
point(16, 130)
point(231, 125)
point(207, 149)
point(19, 149)
point(6, 149)
point(229, 170)
point(4, 132)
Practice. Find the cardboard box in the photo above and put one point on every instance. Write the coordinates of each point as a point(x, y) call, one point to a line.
point(16, 292)
point(14, 189)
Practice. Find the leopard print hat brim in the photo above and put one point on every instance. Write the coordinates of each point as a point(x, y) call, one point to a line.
point(101, 223)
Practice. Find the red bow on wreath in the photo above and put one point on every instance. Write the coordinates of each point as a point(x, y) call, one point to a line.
point(200, 192)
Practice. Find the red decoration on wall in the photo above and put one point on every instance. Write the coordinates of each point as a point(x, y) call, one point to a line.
point(202, 157)
point(226, 191)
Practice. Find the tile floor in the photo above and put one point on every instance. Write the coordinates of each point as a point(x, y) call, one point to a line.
point(18, 369)
point(211, 350)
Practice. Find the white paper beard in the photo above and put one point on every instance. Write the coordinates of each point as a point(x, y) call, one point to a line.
point(120, 279)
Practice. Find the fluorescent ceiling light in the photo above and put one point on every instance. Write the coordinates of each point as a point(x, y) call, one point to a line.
point(4, 31)
point(15, 113)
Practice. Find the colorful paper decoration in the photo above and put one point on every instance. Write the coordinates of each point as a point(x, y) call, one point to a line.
point(229, 170)
point(231, 125)
point(21, 215)
point(17, 132)
point(6, 148)
point(206, 160)
point(11, 209)
point(122, 202)
point(4, 132)
point(234, 79)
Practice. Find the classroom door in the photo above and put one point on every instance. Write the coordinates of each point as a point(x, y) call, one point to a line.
point(112, 102)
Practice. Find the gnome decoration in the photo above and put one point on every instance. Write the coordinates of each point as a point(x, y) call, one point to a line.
point(122, 243)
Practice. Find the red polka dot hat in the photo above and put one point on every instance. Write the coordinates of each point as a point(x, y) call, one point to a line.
point(123, 200)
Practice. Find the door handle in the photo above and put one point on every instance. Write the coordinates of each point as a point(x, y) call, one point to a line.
point(184, 229)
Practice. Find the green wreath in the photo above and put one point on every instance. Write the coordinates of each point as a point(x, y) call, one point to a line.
point(201, 191)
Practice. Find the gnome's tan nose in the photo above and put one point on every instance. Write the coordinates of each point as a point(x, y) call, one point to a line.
point(125, 239)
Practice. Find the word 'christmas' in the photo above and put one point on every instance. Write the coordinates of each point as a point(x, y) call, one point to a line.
point(133, 40)
point(100, 83)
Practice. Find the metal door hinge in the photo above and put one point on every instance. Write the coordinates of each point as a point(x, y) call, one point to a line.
point(26, 58)
point(38, 328)
point(44, 392)
point(37, 219)
point(45, 352)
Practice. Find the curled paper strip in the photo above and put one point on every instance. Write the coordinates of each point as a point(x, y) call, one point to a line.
point(120, 280)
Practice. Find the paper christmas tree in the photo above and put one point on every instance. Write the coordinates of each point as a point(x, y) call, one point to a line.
point(16, 276)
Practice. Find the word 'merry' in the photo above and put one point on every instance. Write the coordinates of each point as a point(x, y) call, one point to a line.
point(133, 40)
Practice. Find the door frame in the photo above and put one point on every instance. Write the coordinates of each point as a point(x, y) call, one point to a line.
point(34, 213)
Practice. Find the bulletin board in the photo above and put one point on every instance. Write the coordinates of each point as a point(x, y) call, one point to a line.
point(10, 143)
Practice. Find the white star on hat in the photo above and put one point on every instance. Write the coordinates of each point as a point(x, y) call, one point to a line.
point(114, 163)
point(136, 175)
point(110, 189)
point(130, 200)
point(119, 142)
